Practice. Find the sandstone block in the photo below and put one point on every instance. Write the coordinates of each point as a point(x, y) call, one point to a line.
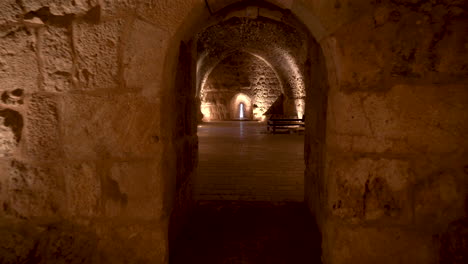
point(35, 191)
point(56, 55)
point(97, 48)
point(42, 138)
point(368, 190)
point(60, 7)
point(15, 246)
point(11, 126)
point(439, 199)
point(142, 187)
point(18, 63)
point(124, 126)
point(83, 189)
point(143, 58)
point(10, 11)
point(376, 245)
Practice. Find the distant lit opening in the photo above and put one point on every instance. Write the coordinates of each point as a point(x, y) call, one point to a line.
point(241, 110)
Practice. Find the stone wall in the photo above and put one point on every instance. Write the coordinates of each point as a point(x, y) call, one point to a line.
point(239, 73)
point(80, 134)
point(396, 153)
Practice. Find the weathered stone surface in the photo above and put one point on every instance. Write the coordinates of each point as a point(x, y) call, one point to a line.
point(438, 198)
point(112, 8)
point(10, 11)
point(12, 97)
point(18, 64)
point(325, 17)
point(60, 7)
point(376, 245)
point(42, 127)
point(56, 56)
point(138, 184)
point(407, 119)
point(16, 246)
point(367, 190)
point(11, 127)
point(66, 244)
point(123, 126)
point(143, 54)
point(142, 243)
point(83, 189)
point(410, 42)
point(361, 56)
point(34, 191)
point(97, 47)
point(169, 16)
point(449, 48)
point(453, 243)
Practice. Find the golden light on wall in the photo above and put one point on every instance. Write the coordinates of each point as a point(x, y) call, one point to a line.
point(300, 107)
point(206, 111)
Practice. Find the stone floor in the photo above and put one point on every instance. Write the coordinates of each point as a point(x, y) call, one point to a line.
point(223, 232)
point(239, 160)
point(243, 174)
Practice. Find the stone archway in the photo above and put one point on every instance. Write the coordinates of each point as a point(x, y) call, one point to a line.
point(247, 109)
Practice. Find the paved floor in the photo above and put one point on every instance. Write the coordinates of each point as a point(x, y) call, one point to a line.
point(239, 160)
point(243, 173)
point(223, 232)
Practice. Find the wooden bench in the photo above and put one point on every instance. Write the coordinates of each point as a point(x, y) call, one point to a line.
point(277, 125)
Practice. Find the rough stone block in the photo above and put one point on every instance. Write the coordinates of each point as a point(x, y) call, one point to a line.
point(34, 191)
point(112, 8)
point(124, 126)
point(141, 243)
point(63, 244)
point(18, 64)
point(143, 58)
point(97, 47)
point(42, 138)
point(10, 11)
point(141, 186)
point(16, 246)
point(451, 46)
point(56, 56)
point(169, 16)
point(11, 126)
point(453, 243)
point(361, 61)
point(343, 244)
point(406, 119)
point(83, 189)
point(60, 7)
point(439, 199)
point(366, 190)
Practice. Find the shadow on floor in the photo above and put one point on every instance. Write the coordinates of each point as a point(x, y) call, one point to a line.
point(227, 232)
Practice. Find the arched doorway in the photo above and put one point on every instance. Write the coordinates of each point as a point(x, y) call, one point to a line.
point(241, 107)
point(294, 70)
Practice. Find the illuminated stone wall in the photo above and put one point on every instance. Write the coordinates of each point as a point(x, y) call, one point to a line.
point(283, 46)
point(239, 73)
point(80, 140)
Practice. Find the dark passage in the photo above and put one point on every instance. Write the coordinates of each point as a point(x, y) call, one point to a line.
point(225, 232)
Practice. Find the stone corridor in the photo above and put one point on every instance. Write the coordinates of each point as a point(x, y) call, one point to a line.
point(241, 161)
point(102, 160)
